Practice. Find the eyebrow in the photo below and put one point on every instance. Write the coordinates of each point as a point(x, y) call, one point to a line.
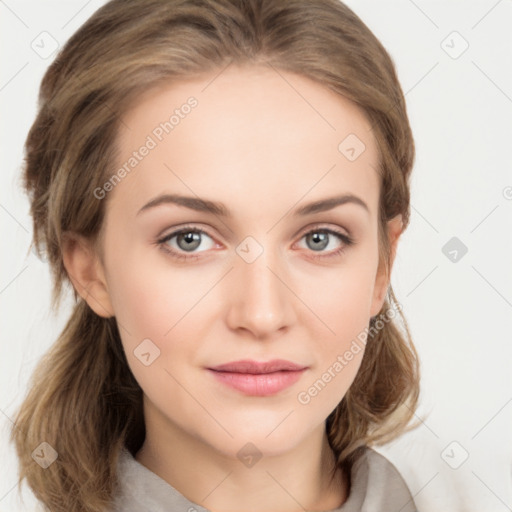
point(216, 208)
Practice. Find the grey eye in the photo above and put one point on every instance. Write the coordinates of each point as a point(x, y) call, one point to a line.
point(191, 240)
point(319, 240)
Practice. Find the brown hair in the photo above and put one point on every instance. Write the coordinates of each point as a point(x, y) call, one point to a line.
point(83, 399)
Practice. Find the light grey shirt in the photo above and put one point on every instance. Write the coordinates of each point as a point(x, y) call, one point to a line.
point(376, 487)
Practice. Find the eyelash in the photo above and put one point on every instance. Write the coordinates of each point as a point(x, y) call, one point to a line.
point(161, 242)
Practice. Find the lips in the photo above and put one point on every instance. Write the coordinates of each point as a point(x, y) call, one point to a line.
point(254, 367)
point(258, 378)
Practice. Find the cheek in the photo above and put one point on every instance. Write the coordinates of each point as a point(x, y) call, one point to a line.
point(150, 299)
point(340, 298)
point(154, 316)
point(338, 353)
point(165, 313)
point(343, 303)
point(140, 304)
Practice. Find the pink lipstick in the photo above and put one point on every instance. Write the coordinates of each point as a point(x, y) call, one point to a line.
point(258, 378)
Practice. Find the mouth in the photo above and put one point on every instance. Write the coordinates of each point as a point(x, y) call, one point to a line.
point(258, 378)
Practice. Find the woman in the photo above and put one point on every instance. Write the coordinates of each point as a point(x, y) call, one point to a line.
point(224, 183)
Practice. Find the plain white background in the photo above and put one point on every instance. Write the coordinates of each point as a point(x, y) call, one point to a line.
point(454, 63)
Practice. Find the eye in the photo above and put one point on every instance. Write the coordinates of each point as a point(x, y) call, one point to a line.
point(320, 238)
point(187, 240)
point(182, 243)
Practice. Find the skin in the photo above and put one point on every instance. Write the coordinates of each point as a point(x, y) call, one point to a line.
point(261, 148)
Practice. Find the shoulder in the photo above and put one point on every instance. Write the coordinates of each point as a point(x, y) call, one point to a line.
point(141, 490)
point(376, 484)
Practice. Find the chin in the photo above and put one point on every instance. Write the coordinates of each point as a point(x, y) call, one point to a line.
point(259, 438)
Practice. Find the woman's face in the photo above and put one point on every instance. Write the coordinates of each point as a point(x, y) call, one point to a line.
point(259, 273)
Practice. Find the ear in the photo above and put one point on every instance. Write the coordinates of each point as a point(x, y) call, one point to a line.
point(86, 273)
point(395, 228)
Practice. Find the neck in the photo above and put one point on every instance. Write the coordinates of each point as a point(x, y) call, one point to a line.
point(290, 482)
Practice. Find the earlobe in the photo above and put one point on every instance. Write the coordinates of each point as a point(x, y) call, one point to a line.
point(86, 273)
point(395, 228)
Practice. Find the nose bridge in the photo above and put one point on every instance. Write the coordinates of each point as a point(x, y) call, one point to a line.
point(260, 302)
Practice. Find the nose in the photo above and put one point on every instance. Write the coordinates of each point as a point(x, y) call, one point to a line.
point(259, 298)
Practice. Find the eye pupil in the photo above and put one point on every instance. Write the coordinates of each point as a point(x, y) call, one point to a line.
point(319, 237)
point(190, 237)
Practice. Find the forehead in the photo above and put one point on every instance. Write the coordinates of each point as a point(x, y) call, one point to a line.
point(246, 134)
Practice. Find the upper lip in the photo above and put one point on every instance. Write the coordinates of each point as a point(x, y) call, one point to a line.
point(255, 367)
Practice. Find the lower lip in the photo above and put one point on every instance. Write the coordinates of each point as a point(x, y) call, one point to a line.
point(263, 384)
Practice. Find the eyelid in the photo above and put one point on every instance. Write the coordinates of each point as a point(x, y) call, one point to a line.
point(179, 228)
point(323, 226)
